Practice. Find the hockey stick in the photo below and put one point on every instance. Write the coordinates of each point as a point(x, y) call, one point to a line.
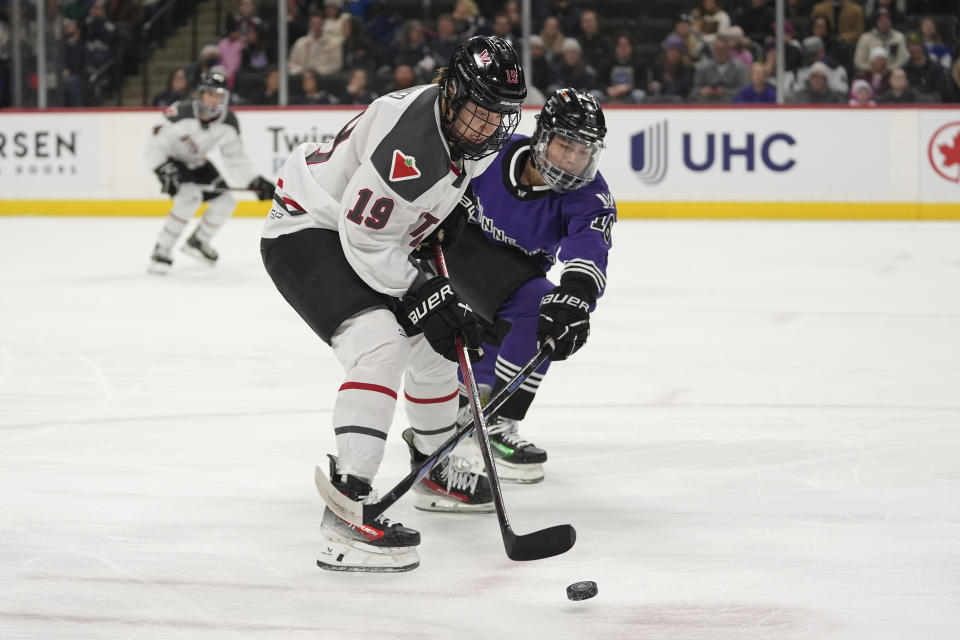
point(362, 514)
point(222, 188)
point(531, 546)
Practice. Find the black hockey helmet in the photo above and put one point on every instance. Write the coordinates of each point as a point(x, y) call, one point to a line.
point(574, 118)
point(485, 70)
point(212, 81)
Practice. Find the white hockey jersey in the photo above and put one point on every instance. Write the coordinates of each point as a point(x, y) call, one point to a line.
point(182, 136)
point(384, 183)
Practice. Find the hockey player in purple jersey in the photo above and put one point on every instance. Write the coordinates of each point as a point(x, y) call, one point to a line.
point(541, 200)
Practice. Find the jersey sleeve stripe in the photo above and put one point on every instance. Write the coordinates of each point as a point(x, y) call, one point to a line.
point(365, 386)
point(588, 268)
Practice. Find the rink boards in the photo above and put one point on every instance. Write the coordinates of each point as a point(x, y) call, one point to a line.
point(682, 162)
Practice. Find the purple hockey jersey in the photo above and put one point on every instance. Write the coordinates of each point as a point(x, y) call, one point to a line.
point(574, 227)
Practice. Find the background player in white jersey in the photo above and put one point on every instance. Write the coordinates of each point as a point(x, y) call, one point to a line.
point(347, 215)
point(541, 200)
point(177, 153)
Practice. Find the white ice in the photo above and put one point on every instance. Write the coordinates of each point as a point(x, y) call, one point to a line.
point(761, 440)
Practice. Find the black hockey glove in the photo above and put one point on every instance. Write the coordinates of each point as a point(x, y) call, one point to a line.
point(171, 174)
point(439, 313)
point(262, 187)
point(565, 317)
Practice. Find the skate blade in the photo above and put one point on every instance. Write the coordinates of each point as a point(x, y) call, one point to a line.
point(158, 268)
point(193, 253)
point(519, 473)
point(439, 504)
point(339, 555)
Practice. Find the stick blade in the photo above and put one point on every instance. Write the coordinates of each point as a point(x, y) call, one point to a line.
point(340, 504)
point(545, 543)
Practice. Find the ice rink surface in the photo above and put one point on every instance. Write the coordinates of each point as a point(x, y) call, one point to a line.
point(761, 440)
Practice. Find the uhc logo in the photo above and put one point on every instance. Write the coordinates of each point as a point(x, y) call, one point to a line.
point(648, 153)
point(703, 151)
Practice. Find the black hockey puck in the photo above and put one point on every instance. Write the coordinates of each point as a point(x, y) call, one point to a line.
point(582, 590)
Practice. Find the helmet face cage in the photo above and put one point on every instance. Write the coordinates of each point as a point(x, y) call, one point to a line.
point(216, 83)
point(484, 74)
point(574, 162)
point(568, 141)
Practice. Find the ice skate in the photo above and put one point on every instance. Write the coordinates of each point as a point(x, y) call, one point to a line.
point(517, 459)
point(160, 261)
point(201, 249)
point(380, 547)
point(452, 485)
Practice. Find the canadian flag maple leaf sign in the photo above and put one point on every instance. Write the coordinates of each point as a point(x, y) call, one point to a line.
point(951, 154)
point(404, 167)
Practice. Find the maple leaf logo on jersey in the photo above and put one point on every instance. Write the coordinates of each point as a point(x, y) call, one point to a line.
point(404, 167)
point(483, 57)
point(943, 152)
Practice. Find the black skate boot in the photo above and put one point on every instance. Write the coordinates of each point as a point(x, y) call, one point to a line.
point(383, 546)
point(160, 261)
point(451, 485)
point(198, 248)
point(518, 460)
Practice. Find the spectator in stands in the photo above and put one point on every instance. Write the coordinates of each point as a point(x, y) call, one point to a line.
point(838, 49)
point(845, 18)
point(125, 14)
point(878, 75)
point(357, 90)
point(297, 23)
point(720, 78)
point(568, 16)
point(739, 46)
point(770, 67)
point(710, 20)
point(467, 19)
point(922, 72)
point(501, 27)
point(317, 50)
point(596, 48)
point(334, 18)
point(403, 78)
point(357, 48)
point(514, 14)
point(861, 94)
point(934, 45)
point(571, 71)
point(951, 91)
point(759, 91)
point(896, 12)
point(793, 51)
point(413, 50)
point(75, 70)
point(269, 94)
point(672, 73)
point(254, 57)
point(209, 58)
point(100, 35)
point(177, 89)
point(552, 39)
point(755, 19)
point(815, 51)
point(446, 41)
point(624, 76)
point(542, 75)
point(816, 90)
point(310, 91)
point(693, 44)
point(242, 19)
point(882, 35)
point(900, 91)
point(230, 48)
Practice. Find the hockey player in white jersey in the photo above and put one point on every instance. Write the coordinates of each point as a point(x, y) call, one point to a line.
point(177, 153)
point(347, 215)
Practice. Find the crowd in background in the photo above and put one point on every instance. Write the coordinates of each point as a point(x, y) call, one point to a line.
point(711, 51)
